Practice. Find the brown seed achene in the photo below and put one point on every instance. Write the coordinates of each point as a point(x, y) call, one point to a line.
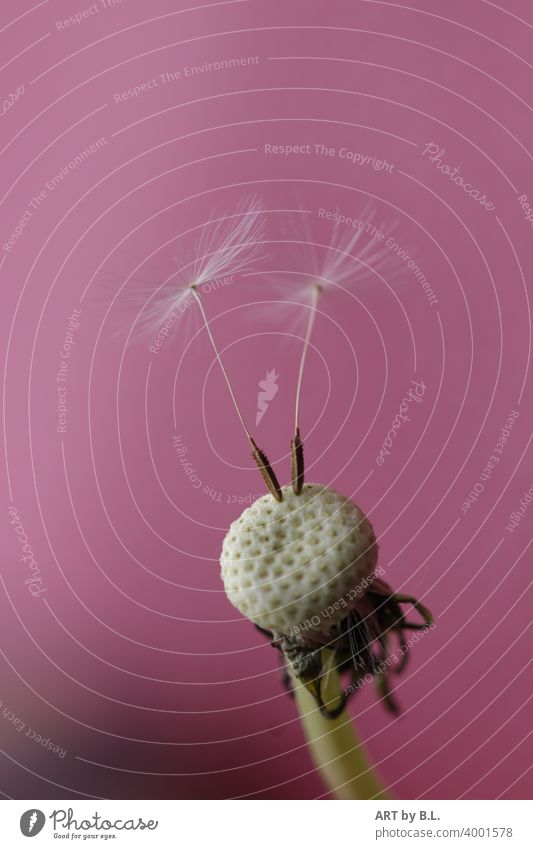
point(267, 471)
point(297, 463)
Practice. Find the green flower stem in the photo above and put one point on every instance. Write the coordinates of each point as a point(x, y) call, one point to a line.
point(335, 747)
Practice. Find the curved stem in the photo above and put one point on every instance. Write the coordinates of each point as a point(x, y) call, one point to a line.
point(335, 748)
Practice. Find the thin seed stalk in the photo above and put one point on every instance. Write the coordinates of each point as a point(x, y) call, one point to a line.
point(315, 292)
point(335, 748)
point(259, 456)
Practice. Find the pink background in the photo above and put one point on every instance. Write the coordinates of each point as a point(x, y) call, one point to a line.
point(133, 660)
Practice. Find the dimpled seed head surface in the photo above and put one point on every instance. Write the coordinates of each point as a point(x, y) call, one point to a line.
point(284, 562)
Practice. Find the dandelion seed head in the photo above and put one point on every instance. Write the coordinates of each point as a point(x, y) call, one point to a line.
point(227, 247)
point(305, 571)
point(315, 547)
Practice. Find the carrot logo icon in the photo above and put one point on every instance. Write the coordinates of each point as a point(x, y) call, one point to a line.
point(267, 390)
point(32, 822)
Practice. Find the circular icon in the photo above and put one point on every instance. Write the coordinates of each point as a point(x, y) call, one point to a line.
point(32, 822)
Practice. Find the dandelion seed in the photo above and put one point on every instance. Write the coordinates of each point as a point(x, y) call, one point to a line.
point(355, 633)
point(267, 471)
point(350, 263)
point(293, 578)
point(232, 246)
point(227, 249)
point(297, 455)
